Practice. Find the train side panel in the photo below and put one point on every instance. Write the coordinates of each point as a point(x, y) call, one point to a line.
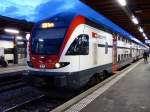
point(99, 58)
point(100, 49)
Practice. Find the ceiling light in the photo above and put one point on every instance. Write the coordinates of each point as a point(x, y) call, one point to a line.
point(146, 38)
point(122, 2)
point(28, 36)
point(135, 20)
point(141, 29)
point(41, 40)
point(144, 35)
point(11, 31)
point(19, 37)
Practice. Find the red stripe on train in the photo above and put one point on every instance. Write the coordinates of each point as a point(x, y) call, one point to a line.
point(76, 21)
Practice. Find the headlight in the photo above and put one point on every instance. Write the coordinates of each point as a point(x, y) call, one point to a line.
point(61, 64)
point(57, 65)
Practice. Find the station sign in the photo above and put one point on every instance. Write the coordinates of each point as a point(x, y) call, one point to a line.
point(147, 41)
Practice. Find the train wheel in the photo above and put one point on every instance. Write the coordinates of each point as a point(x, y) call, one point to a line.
point(92, 81)
point(103, 75)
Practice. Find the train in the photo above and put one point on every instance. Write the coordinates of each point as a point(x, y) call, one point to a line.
point(71, 52)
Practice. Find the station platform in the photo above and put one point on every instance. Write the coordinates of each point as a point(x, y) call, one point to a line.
point(12, 68)
point(127, 92)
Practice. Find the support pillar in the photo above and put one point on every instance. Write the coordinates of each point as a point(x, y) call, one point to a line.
point(15, 50)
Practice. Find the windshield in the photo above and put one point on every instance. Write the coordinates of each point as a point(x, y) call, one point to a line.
point(47, 41)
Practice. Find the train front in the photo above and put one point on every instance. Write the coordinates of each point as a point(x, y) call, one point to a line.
point(48, 66)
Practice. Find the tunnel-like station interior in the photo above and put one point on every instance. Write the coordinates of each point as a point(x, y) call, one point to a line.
point(74, 56)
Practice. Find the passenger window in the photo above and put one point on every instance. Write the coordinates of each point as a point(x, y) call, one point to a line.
point(124, 56)
point(80, 46)
point(121, 56)
point(106, 48)
point(118, 58)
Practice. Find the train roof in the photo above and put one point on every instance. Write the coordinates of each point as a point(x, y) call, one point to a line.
point(98, 19)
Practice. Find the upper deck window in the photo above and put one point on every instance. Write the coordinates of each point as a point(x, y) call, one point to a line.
point(80, 46)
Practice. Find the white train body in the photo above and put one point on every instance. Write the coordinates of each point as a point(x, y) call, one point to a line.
point(86, 50)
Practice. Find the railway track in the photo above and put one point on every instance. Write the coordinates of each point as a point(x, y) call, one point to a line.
point(41, 103)
point(16, 95)
point(11, 81)
point(36, 103)
point(14, 98)
point(17, 106)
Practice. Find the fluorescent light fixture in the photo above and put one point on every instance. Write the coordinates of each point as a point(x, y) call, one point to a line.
point(11, 31)
point(41, 40)
point(19, 37)
point(122, 2)
point(146, 38)
point(135, 20)
point(141, 30)
point(144, 35)
point(28, 36)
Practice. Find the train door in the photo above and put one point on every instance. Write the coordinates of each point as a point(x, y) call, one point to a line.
point(95, 54)
point(84, 52)
point(85, 59)
point(114, 53)
point(131, 51)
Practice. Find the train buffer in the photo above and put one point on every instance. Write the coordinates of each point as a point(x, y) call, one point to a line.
point(127, 92)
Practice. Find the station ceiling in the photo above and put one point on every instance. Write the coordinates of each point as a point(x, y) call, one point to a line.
point(109, 8)
point(7, 22)
point(119, 15)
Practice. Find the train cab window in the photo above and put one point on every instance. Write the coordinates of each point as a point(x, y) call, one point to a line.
point(121, 56)
point(106, 48)
point(47, 41)
point(80, 46)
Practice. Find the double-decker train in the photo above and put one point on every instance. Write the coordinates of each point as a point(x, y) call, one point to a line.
point(72, 51)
